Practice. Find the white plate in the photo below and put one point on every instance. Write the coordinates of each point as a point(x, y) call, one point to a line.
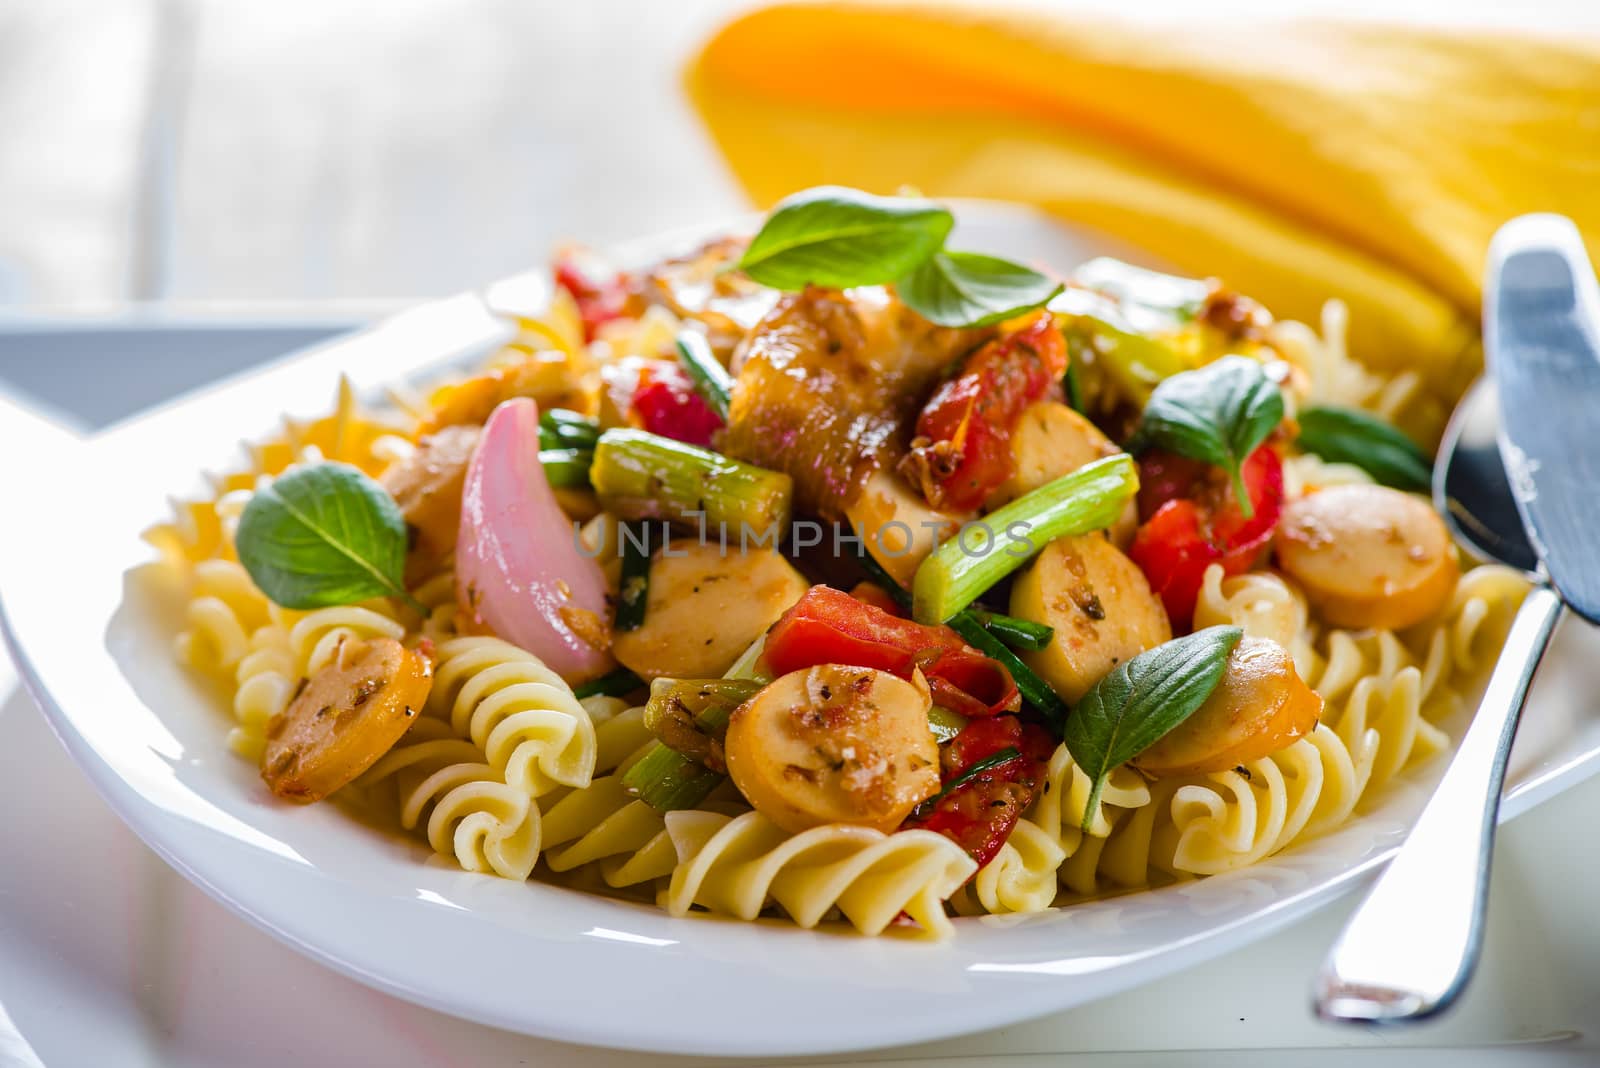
point(90, 623)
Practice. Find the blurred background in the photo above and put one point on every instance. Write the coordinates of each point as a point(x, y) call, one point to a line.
point(334, 150)
point(192, 186)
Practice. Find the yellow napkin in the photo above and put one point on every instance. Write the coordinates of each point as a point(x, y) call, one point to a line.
point(1295, 160)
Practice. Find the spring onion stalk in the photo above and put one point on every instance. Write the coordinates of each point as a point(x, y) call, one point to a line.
point(673, 779)
point(633, 589)
point(958, 572)
point(711, 380)
point(701, 705)
point(1072, 386)
point(1017, 633)
point(612, 684)
point(749, 665)
point(1034, 690)
point(644, 476)
point(566, 468)
point(944, 723)
point(560, 428)
point(664, 778)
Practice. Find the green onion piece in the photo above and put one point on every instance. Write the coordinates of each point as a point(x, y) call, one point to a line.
point(702, 705)
point(560, 428)
point(644, 476)
point(612, 684)
point(666, 779)
point(1089, 498)
point(944, 723)
point(976, 768)
point(1017, 633)
point(1072, 386)
point(566, 468)
point(749, 665)
point(1034, 690)
point(633, 590)
point(711, 380)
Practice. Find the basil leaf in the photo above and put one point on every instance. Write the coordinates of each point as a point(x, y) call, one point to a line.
point(1346, 436)
point(1143, 698)
point(833, 236)
point(1218, 414)
point(323, 535)
point(970, 289)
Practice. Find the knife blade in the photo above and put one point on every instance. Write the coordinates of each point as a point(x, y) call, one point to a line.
point(1542, 344)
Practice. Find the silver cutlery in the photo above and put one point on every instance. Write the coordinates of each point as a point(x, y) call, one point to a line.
point(1410, 947)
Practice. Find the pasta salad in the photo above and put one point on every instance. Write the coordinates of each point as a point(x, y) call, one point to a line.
point(836, 574)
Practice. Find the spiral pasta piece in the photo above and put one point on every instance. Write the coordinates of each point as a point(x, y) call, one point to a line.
point(741, 864)
point(315, 638)
point(471, 813)
point(225, 608)
point(602, 824)
point(267, 681)
point(1234, 818)
point(1262, 603)
point(518, 711)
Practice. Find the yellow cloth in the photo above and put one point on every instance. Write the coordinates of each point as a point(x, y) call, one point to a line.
point(1295, 160)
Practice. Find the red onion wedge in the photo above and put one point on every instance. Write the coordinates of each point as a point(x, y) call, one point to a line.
point(519, 572)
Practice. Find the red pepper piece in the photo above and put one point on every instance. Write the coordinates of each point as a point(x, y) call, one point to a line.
point(666, 403)
point(599, 301)
point(828, 626)
point(962, 451)
point(980, 813)
point(1192, 521)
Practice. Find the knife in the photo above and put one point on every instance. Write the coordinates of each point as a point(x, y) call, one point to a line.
point(1407, 952)
point(1542, 339)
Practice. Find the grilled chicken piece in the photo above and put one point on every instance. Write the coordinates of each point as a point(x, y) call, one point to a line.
point(828, 385)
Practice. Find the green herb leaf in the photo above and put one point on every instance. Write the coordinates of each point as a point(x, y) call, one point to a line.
point(969, 289)
point(324, 535)
point(1346, 436)
point(1218, 414)
point(839, 237)
point(1142, 699)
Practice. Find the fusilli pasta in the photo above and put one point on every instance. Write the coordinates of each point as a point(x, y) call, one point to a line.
point(738, 865)
point(1381, 698)
point(602, 824)
point(519, 712)
point(472, 814)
